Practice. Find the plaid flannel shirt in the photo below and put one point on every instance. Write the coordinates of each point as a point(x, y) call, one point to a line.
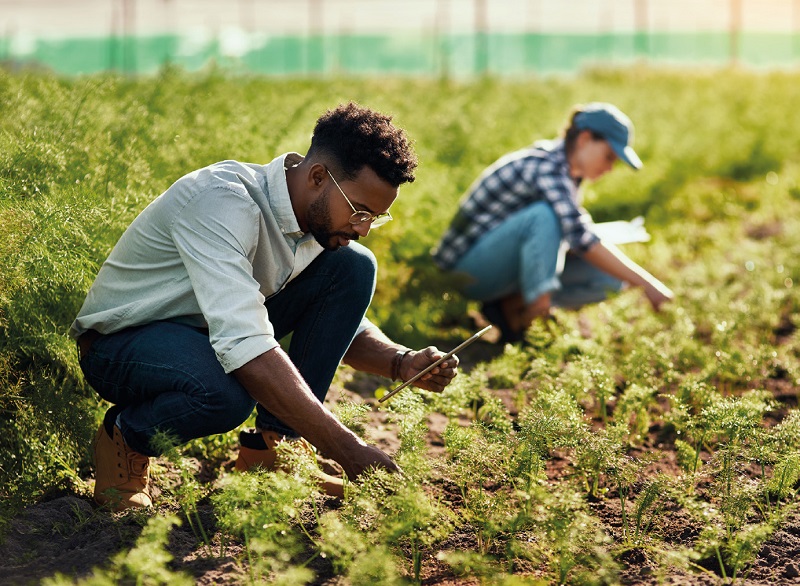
point(517, 180)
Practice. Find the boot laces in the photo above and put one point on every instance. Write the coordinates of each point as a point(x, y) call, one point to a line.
point(138, 465)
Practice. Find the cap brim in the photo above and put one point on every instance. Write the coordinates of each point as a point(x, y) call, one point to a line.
point(628, 155)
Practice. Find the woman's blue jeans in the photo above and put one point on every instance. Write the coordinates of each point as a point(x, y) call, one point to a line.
point(526, 254)
point(164, 376)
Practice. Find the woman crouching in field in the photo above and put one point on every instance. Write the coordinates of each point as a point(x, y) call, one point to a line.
point(514, 228)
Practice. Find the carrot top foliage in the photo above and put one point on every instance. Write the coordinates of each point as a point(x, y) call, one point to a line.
point(79, 158)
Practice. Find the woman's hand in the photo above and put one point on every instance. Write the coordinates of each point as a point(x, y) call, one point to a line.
point(658, 294)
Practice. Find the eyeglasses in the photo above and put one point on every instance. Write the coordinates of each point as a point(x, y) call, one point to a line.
point(359, 217)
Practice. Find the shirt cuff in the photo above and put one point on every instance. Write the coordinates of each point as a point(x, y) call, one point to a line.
point(245, 351)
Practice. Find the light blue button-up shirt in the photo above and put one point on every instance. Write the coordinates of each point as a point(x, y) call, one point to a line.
point(207, 252)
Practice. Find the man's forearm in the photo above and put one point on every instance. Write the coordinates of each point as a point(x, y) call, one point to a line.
point(273, 381)
point(372, 351)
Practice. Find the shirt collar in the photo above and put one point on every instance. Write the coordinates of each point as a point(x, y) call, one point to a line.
point(557, 152)
point(278, 192)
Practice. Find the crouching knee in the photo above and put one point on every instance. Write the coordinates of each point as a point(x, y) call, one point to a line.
point(358, 268)
point(228, 411)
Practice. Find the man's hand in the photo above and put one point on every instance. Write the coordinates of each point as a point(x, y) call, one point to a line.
point(273, 380)
point(438, 378)
point(372, 351)
point(364, 457)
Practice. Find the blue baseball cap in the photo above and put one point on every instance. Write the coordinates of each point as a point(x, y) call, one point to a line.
point(615, 127)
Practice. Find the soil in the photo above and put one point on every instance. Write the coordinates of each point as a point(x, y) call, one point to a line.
point(67, 534)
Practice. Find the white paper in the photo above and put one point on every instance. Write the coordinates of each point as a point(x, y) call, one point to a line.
point(622, 231)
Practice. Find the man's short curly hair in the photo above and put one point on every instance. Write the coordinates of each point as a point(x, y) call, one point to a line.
point(351, 136)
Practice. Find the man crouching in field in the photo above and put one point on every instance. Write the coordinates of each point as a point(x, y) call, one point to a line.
point(180, 329)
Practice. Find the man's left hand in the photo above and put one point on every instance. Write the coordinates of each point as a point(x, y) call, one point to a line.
point(438, 378)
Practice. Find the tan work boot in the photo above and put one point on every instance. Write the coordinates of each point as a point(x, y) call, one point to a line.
point(121, 475)
point(258, 449)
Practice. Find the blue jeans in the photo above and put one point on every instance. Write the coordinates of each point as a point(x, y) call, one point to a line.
point(526, 254)
point(165, 376)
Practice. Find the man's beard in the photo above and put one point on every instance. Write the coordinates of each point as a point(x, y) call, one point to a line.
point(321, 226)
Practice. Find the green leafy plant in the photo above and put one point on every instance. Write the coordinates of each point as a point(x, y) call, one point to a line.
point(785, 475)
point(633, 409)
point(398, 514)
point(186, 490)
point(570, 540)
point(648, 506)
point(265, 509)
point(599, 454)
point(353, 415)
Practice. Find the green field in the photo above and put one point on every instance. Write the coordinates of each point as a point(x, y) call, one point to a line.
point(561, 462)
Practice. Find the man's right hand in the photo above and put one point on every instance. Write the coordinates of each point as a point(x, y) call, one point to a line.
point(364, 457)
point(272, 380)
